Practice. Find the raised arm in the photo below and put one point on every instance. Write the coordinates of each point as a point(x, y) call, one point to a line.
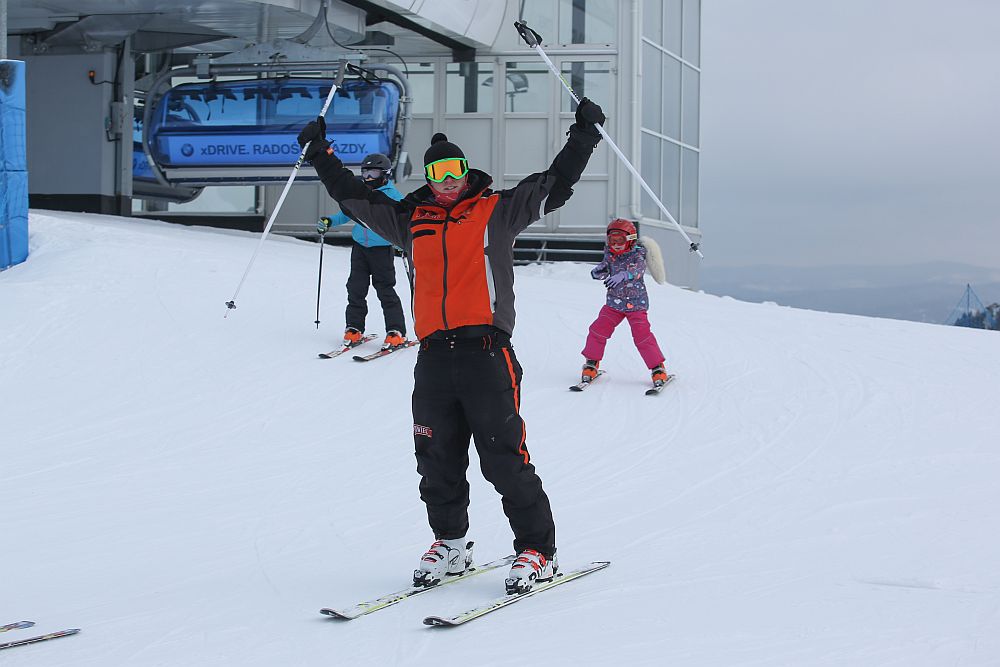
point(380, 213)
point(546, 191)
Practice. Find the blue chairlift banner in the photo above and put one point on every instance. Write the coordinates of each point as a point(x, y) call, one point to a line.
point(245, 149)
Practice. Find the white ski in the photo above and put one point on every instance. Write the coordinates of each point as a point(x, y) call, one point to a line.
point(363, 608)
point(478, 612)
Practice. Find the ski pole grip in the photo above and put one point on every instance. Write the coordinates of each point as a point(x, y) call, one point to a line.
point(531, 37)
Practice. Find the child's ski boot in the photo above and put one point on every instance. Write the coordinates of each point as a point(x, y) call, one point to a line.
point(393, 339)
point(589, 373)
point(353, 337)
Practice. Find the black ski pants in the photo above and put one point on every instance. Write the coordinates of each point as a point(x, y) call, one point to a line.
point(470, 388)
point(373, 266)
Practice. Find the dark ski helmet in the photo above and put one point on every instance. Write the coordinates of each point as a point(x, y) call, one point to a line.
point(376, 161)
point(620, 227)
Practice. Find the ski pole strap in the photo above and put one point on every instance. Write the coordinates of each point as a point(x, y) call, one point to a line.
point(530, 37)
point(366, 74)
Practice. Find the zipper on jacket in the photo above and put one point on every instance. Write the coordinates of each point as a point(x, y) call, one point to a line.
point(444, 271)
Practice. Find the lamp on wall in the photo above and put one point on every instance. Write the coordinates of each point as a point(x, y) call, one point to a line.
point(517, 83)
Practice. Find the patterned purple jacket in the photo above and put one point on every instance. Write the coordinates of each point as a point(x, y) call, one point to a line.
point(630, 296)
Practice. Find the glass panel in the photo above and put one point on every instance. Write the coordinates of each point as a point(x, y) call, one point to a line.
point(689, 186)
point(652, 92)
point(650, 170)
point(692, 30)
point(671, 192)
point(689, 126)
point(540, 15)
point(672, 26)
point(275, 102)
point(466, 92)
point(220, 199)
point(588, 21)
point(652, 20)
point(421, 77)
point(671, 97)
point(589, 79)
point(528, 87)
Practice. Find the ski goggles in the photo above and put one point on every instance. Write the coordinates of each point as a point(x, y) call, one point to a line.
point(371, 172)
point(455, 167)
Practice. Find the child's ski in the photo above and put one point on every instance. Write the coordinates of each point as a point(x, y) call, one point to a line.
point(337, 353)
point(39, 638)
point(479, 612)
point(580, 386)
point(386, 351)
point(363, 608)
point(658, 388)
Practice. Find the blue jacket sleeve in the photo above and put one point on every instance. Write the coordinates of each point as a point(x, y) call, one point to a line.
point(339, 218)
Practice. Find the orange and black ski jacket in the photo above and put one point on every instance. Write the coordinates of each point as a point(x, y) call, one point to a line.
point(462, 258)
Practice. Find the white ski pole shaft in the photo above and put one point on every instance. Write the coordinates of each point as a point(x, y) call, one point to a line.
point(231, 304)
point(533, 39)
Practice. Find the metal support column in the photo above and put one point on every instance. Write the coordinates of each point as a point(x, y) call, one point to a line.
point(126, 87)
point(3, 29)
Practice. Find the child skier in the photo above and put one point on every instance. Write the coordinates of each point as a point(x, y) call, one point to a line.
point(371, 263)
point(621, 270)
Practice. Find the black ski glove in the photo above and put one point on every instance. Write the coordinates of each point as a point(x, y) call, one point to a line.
point(314, 134)
point(589, 113)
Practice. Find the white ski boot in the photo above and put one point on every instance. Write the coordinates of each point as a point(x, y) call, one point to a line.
point(530, 568)
point(444, 558)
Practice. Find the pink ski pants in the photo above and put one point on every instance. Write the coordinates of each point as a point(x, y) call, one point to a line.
point(604, 326)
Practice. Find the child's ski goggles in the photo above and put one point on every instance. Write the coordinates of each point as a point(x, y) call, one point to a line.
point(456, 167)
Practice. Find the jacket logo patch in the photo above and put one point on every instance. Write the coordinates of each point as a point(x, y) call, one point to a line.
point(422, 430)
point(424, 214)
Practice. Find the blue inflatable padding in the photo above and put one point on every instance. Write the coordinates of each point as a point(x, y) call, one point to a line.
point(12, 113)
point(13, 166)
point(14, 220)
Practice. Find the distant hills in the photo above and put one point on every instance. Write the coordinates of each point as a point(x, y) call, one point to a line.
point(917, 292)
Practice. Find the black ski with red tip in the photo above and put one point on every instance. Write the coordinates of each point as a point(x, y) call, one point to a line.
point(387, 351)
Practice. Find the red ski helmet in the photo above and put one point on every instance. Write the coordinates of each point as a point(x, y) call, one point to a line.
point(625, 231)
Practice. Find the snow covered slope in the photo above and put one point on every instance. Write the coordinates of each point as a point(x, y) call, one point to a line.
point(190, 489)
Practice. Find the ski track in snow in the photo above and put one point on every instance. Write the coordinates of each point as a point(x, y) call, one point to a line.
point(188, 482)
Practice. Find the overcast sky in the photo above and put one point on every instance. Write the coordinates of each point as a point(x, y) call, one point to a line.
point(854, 131)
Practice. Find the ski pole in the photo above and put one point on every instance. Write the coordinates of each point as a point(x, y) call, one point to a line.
point(319, 282)
point(533, 39)
point(344, 65)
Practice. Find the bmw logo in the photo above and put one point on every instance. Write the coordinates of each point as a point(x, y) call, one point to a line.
point(187, 150)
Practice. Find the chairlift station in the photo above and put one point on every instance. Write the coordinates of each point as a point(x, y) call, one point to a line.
point(188, 110)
